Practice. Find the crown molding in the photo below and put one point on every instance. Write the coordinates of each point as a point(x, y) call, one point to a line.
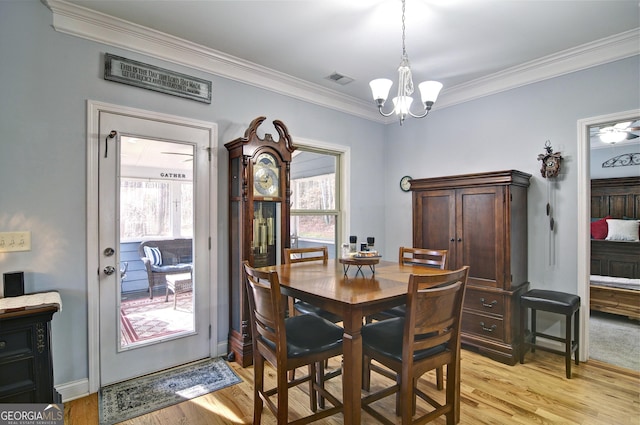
point(609, 49)
point(81, 22)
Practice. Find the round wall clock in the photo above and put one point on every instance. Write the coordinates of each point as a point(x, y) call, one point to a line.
point(405, 184)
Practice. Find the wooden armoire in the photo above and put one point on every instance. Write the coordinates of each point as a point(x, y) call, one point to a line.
point(481, 219)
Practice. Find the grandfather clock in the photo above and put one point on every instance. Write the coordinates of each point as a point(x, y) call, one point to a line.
point(259, 212)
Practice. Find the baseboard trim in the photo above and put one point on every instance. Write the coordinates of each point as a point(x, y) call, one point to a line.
point(73, 390)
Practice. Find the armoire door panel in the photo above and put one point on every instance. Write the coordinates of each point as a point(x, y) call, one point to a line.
point(437, 227)
point(478, 212)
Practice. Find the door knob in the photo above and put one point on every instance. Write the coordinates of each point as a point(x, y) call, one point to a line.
point(109, 270)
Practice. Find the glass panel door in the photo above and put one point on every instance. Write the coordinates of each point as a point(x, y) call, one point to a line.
point(156, 207)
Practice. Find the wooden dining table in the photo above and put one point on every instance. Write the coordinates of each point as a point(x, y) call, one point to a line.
point(353, 297)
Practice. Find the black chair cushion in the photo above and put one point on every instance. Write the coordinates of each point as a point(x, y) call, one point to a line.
point(385, 337)
point(306, 308)
point(552, 301)
point(310, 334)
point(399, 311)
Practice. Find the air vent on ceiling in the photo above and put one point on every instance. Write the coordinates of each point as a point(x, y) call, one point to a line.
point(343, 80)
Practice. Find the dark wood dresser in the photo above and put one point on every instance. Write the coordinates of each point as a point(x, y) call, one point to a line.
point(481, 219)
point(26, 369)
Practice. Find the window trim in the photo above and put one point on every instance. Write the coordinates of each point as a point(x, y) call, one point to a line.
point(343, 184)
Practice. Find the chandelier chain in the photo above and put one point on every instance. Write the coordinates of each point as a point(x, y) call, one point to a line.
point(404, 49)
point(402, 102)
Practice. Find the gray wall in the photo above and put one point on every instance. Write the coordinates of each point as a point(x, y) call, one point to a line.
point(47, 78)
point(507, 131)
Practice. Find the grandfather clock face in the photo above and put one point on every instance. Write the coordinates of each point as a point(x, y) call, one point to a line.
point(266, 176)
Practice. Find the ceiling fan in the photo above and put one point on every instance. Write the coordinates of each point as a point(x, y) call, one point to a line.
point(618, 132)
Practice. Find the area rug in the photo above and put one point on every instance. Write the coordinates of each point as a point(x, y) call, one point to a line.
point(126, 400)
point(615, 340)
point(146, 319)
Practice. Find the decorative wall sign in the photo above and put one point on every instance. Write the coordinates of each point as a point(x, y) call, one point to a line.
point(151, 77)
point(622, 160)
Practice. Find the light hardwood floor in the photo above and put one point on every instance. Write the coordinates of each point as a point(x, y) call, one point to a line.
point(536, 392)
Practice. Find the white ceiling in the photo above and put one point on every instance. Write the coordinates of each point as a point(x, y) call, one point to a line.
point(452, 41)
point(295, 45)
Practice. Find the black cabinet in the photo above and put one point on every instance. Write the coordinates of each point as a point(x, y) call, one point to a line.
point(26, 369)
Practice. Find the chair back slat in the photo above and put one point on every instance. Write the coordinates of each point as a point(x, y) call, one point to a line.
point(303, 255)
point(434, 311)
point(266, 305)
point(436, 258)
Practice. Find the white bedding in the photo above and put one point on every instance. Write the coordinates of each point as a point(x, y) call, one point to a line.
point(615, 282)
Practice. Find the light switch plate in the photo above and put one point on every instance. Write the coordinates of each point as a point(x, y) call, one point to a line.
point(15, 241)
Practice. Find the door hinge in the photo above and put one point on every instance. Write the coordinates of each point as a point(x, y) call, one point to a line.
point(209, 153)
point(209, 331)
point(209, 243)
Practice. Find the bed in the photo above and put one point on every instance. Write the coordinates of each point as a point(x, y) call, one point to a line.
point(615, 264)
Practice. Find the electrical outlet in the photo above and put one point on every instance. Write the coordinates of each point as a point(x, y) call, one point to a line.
point(15, 241)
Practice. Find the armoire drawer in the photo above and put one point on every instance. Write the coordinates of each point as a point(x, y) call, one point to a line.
point(480, 324)
point(485, 301)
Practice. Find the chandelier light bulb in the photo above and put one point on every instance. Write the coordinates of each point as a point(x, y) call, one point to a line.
point(429, 91)
point(380, 89)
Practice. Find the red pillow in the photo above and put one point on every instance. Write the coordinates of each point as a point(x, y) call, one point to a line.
point(599, 229)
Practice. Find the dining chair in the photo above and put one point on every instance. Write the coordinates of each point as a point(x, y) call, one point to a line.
point(287, 344)
point(304, 255)
point(436, 258)
point(426, 338)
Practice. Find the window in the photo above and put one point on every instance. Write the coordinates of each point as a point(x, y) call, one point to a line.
point(155, 208)
point(315, 198)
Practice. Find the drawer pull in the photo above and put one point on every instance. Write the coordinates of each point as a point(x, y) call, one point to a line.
point(491, 329)
point(3, 344)
point(490, 305)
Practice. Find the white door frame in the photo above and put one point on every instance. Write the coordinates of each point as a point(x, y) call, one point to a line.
point(93, 303)
point(584, 216)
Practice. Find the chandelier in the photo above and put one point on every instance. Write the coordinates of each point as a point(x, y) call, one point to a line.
point(380, 87)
